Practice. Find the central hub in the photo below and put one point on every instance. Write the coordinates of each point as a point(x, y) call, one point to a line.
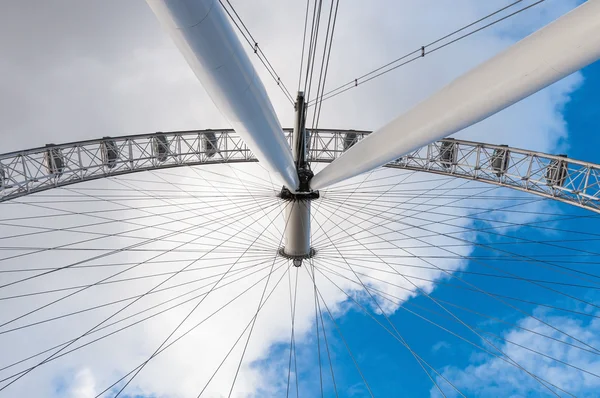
point(296, 260)
point(297, 225)
point(297, 210)
point(304, 192)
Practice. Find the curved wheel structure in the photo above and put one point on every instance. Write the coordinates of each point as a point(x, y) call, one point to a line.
point(553, 176)
point(183, 260)
point(200, 266)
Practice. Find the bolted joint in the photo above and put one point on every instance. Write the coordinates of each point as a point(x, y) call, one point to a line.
point(304, 192)
point(305, 174)
point(287, 195)
point(297, 259)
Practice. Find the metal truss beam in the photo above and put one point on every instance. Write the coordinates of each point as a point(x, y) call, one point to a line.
point(25, 172)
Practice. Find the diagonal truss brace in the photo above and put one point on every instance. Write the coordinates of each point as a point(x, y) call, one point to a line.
point(26, 172)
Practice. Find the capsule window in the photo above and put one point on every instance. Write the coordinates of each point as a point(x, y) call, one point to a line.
point(3, 178)
point(110, 152)
point(54, 159)
point(161, 147)
point(210, 144)
point(500, 160)
point(556, 173)
point(447, 154)
point(349, 140)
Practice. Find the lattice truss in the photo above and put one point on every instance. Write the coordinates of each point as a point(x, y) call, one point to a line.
point(553, 176)
point(51, 166)
point(38, 169)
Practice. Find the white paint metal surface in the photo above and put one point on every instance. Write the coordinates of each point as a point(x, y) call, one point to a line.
point(555, 51)
point(206, 39)
point(297, 228)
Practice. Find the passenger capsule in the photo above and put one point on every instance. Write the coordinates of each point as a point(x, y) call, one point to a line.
point(500, 160)
point(350, 139)
point(161, 147)
point(210, 144)
point(556, 173)
point(54, 160)
point(448, 153)
point(110, 152)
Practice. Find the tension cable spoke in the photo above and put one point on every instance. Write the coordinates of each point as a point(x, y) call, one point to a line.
point(165, 341)
point(97, 325)
point(420, 52)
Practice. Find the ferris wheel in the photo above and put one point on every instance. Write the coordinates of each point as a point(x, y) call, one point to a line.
point(228, 262)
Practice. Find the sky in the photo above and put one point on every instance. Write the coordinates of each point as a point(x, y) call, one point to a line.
point(80, 70)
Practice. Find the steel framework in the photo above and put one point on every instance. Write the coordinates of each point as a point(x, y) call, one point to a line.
point(34, 170)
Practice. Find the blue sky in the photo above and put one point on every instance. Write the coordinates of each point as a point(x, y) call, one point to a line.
point(392, 371)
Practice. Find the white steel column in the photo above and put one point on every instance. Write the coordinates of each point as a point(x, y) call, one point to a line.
point(204, 36)
point(548, 55)
point(297, 230)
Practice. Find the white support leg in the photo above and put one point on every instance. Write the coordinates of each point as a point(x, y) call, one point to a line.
point(553, 52)
point(206, 39)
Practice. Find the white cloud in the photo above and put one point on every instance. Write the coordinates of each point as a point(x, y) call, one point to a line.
point(83, 385)
point(492, 377)
point(440, 345)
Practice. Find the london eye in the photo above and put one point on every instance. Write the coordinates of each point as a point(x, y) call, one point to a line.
point(256, 260)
